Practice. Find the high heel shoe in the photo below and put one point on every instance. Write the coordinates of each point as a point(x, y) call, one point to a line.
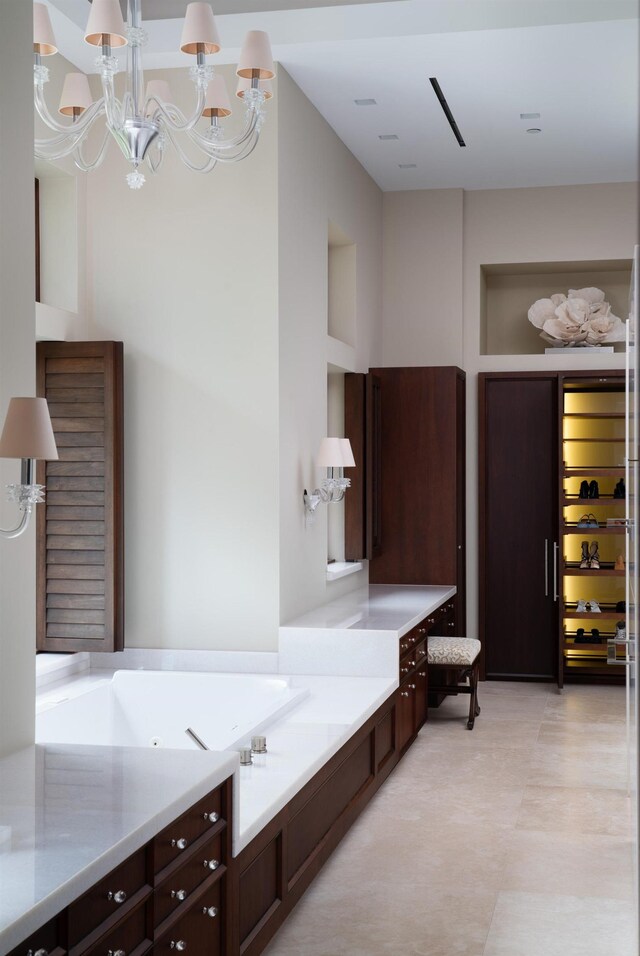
point(584, 489)
point(619, 490)
point(595, 636)
point(594, 491)
point(580, 635)
point(594, 557)
point(584, 560)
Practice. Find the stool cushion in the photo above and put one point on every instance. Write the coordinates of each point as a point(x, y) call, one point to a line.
point(457, 651)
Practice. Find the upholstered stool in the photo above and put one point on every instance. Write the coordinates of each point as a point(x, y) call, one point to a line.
point(459, 654)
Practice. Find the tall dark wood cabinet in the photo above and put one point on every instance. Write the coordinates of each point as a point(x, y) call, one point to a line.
point(420, 421)
point(518, 481)
point(80, 527)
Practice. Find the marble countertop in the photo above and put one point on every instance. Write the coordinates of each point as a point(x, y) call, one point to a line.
point(69, 814)
point(378, 607)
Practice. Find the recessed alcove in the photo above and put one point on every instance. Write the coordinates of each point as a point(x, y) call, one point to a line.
point(341, 281)
point(507, 291)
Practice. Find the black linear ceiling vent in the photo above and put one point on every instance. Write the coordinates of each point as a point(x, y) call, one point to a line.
point(446, 110)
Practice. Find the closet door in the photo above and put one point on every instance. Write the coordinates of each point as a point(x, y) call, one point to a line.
point(518, 484)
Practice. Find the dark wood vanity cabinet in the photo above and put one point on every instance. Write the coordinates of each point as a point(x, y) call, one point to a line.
point(170, 895)
point(413, 491)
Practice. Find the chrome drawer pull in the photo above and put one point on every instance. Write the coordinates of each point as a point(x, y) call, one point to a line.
point(118, 897)
point(422, 673)
point(212, 864)
point(209, 911)
point(178, 895)
point(412, 686)
point(180, 945)
point(212, 817)
point(116, 952)
point(404, 693)
point(179, 843)
point(38, 952)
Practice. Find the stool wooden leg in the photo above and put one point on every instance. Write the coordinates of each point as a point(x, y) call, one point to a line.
point(473, 697)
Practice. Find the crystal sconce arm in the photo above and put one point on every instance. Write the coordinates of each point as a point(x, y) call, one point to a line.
point(335, 455)
point(28, 435)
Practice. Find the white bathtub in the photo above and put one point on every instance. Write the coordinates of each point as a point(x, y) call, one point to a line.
point(154, 709)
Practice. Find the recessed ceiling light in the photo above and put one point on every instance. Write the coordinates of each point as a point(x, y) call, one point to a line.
point(529, 115)
point(407, 166)
point(368, 102)
point(388, 136)
point(534, 129)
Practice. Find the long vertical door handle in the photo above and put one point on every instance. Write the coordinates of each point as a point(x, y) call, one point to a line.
point(546, 567)
point(555, 570)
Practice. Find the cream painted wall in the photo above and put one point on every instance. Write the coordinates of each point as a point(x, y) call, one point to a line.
point(17, 368)
point(185, 272)
point(569, 223)
point(319, 181)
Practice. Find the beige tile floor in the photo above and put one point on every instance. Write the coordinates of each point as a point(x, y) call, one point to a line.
point(510, 840)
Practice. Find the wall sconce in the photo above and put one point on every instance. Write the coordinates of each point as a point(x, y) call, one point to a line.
point(335, 455)
point(27, 434)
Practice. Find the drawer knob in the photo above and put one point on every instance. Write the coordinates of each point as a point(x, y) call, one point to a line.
point(212, 817)
point(422, 673)
point(212, 864)
point(179, 944)
point(180, 843)
point(118, 897)
point(412, 686)
point(210, 911)
point(38, 952)
point(411, 663)
point(178, 895)
point(422, 630)
point(404, 693)
point(116, 952)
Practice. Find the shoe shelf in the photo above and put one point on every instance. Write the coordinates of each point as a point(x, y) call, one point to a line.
point(595, 471)
point(594, 616)
point(603, 572)
point(575, 416)
point(572, 529)
point(597, 441)
point(602, 500)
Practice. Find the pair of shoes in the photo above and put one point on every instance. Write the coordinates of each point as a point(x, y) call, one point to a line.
point(619, 565)
point(619, 490)
point(594, 607)
point(590, 557)
point(589, 490)
point(593, 638)
point(588, 521)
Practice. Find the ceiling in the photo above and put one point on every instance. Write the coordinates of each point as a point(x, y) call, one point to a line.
point(575, 62)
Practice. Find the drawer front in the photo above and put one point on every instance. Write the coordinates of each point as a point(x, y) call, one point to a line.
point(199, 931)
point(420, 654)
point(180, 835)
point(131, 937)
point(110, 895)
point(46, 938)
point(177, 888)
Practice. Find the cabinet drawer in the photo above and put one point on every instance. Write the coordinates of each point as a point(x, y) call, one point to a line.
point(178, 887)
point(130, 937)
point(46, 938)
point(199, 931)
point(111, 895)
point(180, 835)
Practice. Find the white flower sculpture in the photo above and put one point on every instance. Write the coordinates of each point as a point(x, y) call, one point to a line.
point(581, 318)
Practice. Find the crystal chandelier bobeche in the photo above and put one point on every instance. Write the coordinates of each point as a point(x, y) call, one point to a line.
point(144, 121)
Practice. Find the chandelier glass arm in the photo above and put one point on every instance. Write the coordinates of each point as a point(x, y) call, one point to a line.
point(17, 531)
point(173, 116)
point(241, 153)
point(216, 147)
point(205, 168)
point(87, 165)
point(80, 125)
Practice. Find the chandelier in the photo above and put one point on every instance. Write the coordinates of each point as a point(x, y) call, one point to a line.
point(144, 121)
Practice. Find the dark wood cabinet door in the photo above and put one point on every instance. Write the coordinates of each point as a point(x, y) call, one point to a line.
point(518, 484)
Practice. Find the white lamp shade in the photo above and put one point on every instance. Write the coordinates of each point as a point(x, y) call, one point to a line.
point(255, 57)
point(44, 41)
point(348, 461)
point(27, 431)
point(264, 86)
point(160, 89)
point(329, 454)
point(105, 20)
point(216, 102)
point(199, 28)
point(76, 94)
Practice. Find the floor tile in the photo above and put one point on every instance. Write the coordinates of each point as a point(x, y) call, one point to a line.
point(575, 810)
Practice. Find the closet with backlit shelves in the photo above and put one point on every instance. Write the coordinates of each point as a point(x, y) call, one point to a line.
point(592, 524)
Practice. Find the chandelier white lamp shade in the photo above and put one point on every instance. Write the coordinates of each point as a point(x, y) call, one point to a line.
point(27, 434)
point(334, 454)
point(144, 121)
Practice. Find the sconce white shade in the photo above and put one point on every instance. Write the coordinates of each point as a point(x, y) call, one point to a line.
point(264, 86)
point(329, 454)
point(44, 42)
point(76, 94)
point(216, 101)
point(199, 28)
point(27, 431)
point(159, 88)
point(255, 57)
point(348, 461)
point(105, 20)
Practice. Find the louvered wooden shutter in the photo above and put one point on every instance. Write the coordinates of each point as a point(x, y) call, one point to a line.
point(80, 580)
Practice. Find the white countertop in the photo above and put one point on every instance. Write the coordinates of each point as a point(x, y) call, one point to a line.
point(378, 607)
point(70, 814)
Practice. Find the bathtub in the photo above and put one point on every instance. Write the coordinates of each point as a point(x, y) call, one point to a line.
point(154, 709)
